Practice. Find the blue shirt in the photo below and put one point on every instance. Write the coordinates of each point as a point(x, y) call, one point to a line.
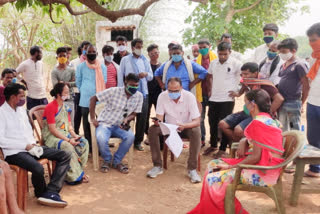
point(86, 82)
point(130, 64)
point(182, 73)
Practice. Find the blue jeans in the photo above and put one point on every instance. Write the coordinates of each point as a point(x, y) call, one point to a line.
point(103, 135)
point(205, 103)
point(313, 133)
point(290, 115)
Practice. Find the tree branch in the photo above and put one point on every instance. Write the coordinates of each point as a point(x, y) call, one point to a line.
point(50, 15)
point(247, 8)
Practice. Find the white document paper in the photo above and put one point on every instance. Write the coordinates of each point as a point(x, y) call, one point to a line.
point(174, 141)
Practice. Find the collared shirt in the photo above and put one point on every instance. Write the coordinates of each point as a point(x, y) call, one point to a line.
point(184, 111)
point(86, 82)
point(130, 64)
point(290, 86)
point(260, 53)
point(314, 93)
point(15, 130)
point(225, 78)
point(182, 73)
point(117, 106)
point(33, 75)
point(265, 71)
point(66, 75)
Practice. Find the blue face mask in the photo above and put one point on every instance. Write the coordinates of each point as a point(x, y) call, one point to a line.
point(174, 95)
point(84, 52)
point(176, 58)
point(131, 89)
point(271, 55)
point(14, 80)
point(268, 39)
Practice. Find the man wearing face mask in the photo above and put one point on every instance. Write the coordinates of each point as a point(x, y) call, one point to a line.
point(20, 148)
point(121, 105)
point(293, 85)
point(6, 77)
point(270, 32)
point(138, 64)
point(122, 49)
point(112, 67)
point(178, 107)
point(65, 74)
point(32, 72)
point(91, 77)
point(181, 68)
point(269, 67)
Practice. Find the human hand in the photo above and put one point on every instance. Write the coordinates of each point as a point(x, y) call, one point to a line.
point(73, 142)
point(302, 110)
point(233, 94)
point(224, 166)
point(95, 122)
point(241, 151)
point(155, 122)
point(191, 85)
point(143, 75)
point(29, 146)
point(181, 127)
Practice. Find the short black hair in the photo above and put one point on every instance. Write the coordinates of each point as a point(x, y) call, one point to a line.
point(204, 41)
point(68, 48)
point(224, 46)
point(176, 47)
point(84, 43)
point(79, 51)
point(35, 49)
point(251, 66)
point(61, 50)
point(135, 41)
point(107, 49)
point(175, 79)
point(314, 29)
point(132, 77)
point(12, 89)
point(226, 35)
point(288, 43)
point(6, 71)
point(121, 38)
point(170, 45)
point(57, 89)
point(271, 26)
point(152, 46)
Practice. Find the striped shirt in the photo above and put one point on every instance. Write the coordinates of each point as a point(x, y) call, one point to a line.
point(111, 76)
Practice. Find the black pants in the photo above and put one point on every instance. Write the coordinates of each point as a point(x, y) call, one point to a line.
point(152, 100)
point(218, 111)
point(86, 125)
point(77, 113)
point(30, 163)
point(141, 122)
point(35, 102)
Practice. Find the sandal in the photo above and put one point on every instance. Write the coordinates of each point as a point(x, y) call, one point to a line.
point(105, 167)
point(290, 169)
point(85, 179)
point(209, 150)
point(121, 168)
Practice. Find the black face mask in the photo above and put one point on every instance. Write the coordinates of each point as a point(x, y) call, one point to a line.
point(91, 57)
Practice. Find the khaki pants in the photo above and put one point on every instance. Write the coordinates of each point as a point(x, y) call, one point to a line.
point(193, 134)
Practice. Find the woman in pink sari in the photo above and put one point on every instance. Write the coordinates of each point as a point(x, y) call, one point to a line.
point(262, 146)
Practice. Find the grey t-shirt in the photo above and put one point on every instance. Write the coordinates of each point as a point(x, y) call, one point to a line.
point(67, 75)
point(290, 86)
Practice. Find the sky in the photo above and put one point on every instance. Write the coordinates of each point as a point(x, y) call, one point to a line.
point(298, 23)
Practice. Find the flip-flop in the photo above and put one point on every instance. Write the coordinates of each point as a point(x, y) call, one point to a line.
point(121, 168)
point(105, 167)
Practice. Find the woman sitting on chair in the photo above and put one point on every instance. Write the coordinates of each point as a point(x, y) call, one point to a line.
point(59, 134)
point(264, 136)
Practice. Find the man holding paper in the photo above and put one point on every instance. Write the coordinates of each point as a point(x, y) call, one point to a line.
point(179, 108)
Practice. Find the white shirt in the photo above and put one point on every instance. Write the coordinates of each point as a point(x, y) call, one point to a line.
point(260, 53)
point(15, 130)
point(314, 93)
point(33, 75)
point(265, 71)
point(225, 78)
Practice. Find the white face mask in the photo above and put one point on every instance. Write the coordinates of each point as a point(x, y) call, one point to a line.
point(108, 58)
point(137, 51)
point(122, 48)
point(286, 57)
point(65, 97)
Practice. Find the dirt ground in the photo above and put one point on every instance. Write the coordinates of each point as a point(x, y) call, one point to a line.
point(170, 193)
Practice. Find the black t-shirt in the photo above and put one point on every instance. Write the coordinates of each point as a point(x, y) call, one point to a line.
point(117, 57)
point(153, 86)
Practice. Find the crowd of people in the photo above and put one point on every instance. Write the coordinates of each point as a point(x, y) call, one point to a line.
point(275, 81)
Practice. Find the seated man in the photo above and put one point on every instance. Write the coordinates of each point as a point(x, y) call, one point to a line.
point(179, 107)
point(234, 124)
point(121, 106)
point(8, 200)
point(19, 148)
